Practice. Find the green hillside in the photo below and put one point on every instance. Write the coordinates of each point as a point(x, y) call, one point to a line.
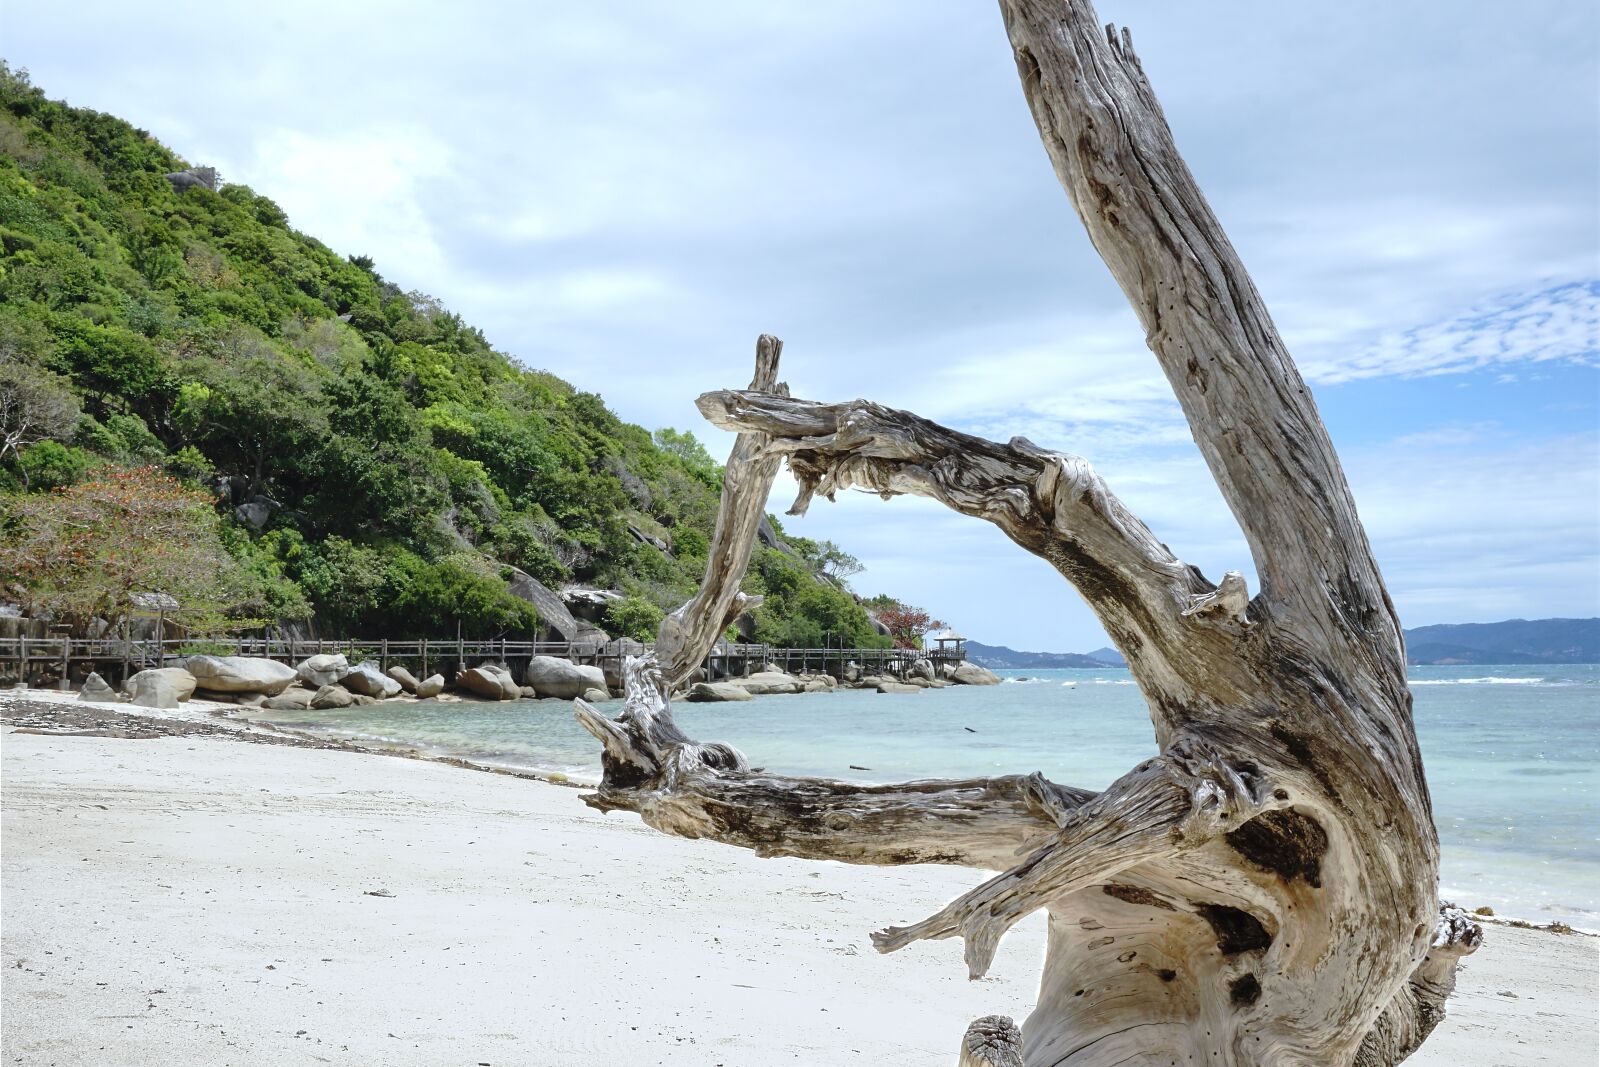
point(373, 464)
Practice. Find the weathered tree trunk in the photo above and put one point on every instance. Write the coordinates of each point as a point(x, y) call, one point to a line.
point(1265, 890)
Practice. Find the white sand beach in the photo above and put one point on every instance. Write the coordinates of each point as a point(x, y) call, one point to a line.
point(200, 900)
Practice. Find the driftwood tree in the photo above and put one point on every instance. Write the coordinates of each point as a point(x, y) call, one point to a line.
point(1265, 890)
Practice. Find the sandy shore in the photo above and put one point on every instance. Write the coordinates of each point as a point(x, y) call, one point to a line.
point(197, 900)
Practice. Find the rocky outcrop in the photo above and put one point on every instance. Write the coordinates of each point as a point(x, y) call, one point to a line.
point(430, 687)
point(554, 618)
point(367, 680)
point(318, 671)
point(407, 680)
point(95, 689)
point(554, 677)
point(595, 696)
point(490, 681)
point(710, 692)
point(240, 674)
point(972, 674)
point(183, 180)
point(897, 687)
point(160, 687)
point(589, 605)
point(257, 511)
point(921, 669)
point(332, 696)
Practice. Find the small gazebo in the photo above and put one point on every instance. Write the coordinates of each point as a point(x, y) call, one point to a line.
point(950, 644)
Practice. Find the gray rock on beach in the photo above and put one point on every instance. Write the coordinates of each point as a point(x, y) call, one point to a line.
point(366, 679)
point(553, 677)
point(95, 689)
point(972, 674)
point(292, 699)
point(595, 696)
point(160, 687)
point(430, 687)
point(709, 692)
point(332, 696)
point(321, 670)
point(490, 681)
point(921, 669)
point(898, 687)
point(407, 680)
point(240, 674)
point(767, 683)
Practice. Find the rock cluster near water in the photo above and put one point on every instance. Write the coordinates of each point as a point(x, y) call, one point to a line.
point(330, 681)
point(919, 675)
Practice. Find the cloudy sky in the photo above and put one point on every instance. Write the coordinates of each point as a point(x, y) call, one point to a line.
point(626, 194)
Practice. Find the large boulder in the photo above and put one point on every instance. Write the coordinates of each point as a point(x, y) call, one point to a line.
point(897, 687)
point(554, 677)
point(332, 696)
point(95, 689)
point(490, 681)
point(767, 683)
point(921, 669)
point(972, 674)
point(703, 692)
point(160, 687)
point(366, 679)
point(596, 696)
point(327, 669)
point(292, 699)
point(407, 680)
point(430, 687)
point(240, 674)
point(554, 618)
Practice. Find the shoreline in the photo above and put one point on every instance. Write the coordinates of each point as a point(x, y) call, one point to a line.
point(60, 713)
point(290, 902)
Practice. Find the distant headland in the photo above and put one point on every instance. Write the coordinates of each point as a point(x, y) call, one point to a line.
point(1510, 641)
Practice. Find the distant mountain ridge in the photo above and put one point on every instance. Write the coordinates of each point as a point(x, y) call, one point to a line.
point(1511, 641)
point(998, 656)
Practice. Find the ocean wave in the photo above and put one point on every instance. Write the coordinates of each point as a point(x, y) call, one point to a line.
point(1489, 681)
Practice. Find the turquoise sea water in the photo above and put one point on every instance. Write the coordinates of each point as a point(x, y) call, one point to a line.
point(1512, 754)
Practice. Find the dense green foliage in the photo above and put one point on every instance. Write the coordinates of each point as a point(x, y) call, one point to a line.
point(374, 460)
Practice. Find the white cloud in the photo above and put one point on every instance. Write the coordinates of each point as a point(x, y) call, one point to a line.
point(627, 196)
point(1560, 323)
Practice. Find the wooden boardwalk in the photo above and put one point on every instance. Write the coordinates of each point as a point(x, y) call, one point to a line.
point(114, 658)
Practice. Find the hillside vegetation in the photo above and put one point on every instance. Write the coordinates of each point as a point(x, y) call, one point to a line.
point(373, 464)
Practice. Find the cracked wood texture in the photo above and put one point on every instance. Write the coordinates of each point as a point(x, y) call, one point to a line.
point(1265, 890)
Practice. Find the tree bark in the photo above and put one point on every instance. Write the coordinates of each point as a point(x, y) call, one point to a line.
point(1265, 890)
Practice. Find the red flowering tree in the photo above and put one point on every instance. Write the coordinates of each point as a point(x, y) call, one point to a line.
point(907, 624)
point(79, 552)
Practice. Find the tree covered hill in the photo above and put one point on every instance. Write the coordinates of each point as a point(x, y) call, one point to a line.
point(374, 465)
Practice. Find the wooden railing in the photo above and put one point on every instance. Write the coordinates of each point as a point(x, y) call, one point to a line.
point(58, 656)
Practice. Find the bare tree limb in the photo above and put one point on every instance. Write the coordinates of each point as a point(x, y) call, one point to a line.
point(1157, 608)
point(1265, 892)
point(686, 635)
point(1249, 409)
point(692, 790)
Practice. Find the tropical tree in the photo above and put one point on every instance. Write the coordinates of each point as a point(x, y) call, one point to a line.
point(35, 405)
point(81, 551)
point(907, 623)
